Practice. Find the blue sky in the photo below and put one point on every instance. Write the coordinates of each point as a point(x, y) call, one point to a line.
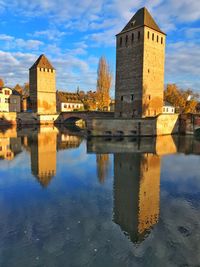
point(74, 34)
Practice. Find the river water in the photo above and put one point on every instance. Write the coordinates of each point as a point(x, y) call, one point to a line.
point(68, 201)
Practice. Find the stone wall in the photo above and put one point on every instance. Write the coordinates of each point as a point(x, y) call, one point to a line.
point(167, 124)
point(122, 127)
point(160, 125)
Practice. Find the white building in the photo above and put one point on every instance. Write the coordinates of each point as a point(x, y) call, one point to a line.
point(9, 100)
point(68, 102)
point(168, 108)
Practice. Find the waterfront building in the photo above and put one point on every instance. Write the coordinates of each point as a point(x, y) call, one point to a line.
point(9, 100)
point(140, 58)
point(42, 80)
point(68, 102)
point(168, 108)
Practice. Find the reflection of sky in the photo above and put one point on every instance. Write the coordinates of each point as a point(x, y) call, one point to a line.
point(69, 223)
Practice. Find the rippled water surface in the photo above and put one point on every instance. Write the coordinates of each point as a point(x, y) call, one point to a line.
point(68, 201)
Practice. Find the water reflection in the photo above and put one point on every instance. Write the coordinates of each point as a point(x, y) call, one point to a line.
point(10, 144)
point(136, 193)
point(136, 168)
point(43, 155)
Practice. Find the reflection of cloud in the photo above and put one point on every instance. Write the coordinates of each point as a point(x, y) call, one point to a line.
point(182, 171)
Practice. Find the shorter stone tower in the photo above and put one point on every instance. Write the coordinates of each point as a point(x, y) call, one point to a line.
point(42, 79)
point(140, 60)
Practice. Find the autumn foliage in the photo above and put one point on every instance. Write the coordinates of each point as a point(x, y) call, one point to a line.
point(104, 79)
point(1, 83)
point(185, 101)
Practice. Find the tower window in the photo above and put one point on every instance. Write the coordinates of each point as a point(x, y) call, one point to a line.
point(120, 41)
point(122, 98)
point(161, 40)
point(132, 38)
point(148, 35)
point(157, 38)
point(126, 40)
point(138, 35)
point(132, 97)
point(152, 36)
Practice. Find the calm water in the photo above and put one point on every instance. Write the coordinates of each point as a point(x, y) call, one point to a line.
point(67, 201)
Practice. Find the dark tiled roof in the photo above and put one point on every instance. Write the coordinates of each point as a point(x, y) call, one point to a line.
point(142, 18)
point(42, 62)
point(168, 104)
point(67, 97)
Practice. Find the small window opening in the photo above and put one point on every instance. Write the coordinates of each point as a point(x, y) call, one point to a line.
point(126, 40)
point(148, 35)
point(152, 36)
point(138, 35)
point(157, 38)
point(122, 98)
point(132, 38)
point(161, 40)
point(120, 41)
point(132, 97)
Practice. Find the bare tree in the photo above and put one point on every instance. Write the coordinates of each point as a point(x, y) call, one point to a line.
point(104, 79)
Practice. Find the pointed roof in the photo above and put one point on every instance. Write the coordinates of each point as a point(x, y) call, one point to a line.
point(42, 62)
point(142, 18)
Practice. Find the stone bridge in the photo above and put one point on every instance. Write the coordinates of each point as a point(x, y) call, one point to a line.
point(190, 124)
point(73, 116)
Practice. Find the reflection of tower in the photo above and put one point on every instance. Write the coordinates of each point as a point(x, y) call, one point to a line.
point(136, 192)
point(102, 166)
point(43, 156)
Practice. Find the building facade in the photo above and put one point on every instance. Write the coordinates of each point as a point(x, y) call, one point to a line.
point(168, 108)
point(10, 100)
point(68, 102)
point(140, 58)
point(42, 79)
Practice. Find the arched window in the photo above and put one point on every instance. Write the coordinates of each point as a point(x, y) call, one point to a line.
point(161, 40)
point(152, 36)
point(148, 34)
point(157, 38)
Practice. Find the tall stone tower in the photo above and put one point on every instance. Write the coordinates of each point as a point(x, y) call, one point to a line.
point(42, 86)
point(140, 60)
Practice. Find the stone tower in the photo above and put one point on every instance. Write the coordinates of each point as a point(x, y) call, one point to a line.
point(140, 60)
point(42, 81)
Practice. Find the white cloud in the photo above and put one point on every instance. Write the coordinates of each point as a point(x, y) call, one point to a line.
point(10, 42)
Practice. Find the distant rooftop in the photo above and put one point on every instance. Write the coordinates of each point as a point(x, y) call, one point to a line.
point(142, 18)
point(42, 62)
point(68, 97)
